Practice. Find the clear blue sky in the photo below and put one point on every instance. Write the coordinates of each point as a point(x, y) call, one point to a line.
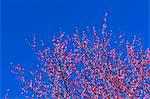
point(20, 18)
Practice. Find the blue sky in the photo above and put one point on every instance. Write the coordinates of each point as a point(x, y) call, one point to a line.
point(21, 18)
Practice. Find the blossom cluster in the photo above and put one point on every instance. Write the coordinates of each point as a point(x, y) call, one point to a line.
point(88, 67)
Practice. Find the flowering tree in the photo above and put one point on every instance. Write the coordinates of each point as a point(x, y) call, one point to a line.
point(92, 68)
